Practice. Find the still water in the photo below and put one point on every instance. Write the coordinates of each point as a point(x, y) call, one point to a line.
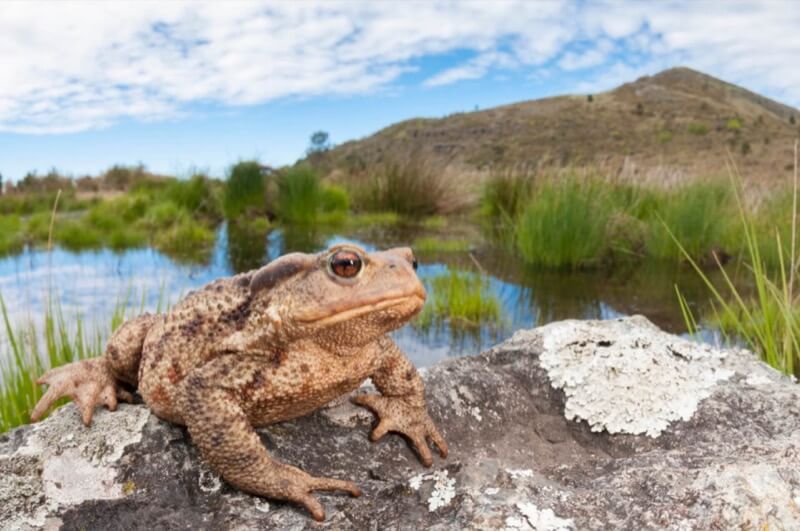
point(91, 283)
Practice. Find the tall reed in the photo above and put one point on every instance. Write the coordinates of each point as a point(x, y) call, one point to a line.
point(768, 321)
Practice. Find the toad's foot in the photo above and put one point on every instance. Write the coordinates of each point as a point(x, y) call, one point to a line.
point(88, 383)
point(294, 485)
point(398, 415)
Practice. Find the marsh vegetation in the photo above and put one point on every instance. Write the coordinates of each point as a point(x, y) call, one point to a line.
point(512, 250)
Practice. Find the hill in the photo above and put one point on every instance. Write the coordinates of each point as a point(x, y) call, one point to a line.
point(676, 124)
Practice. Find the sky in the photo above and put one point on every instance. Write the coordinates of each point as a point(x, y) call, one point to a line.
point(190, 86)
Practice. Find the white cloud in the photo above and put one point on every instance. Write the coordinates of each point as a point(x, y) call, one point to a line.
point(473, 69)
point(83, 65)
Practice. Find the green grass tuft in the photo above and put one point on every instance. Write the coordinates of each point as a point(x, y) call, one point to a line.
point(462, 299)
point(366, 219)
point(697, 129)
point(77, 236)
point(299, 196)
point(700, 215)
point(430, 244)
point(10, 234)
point(186, 239)
point(244, 190)
point(564, 225)
point(504, 195)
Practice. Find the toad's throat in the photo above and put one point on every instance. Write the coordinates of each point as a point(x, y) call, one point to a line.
point(332, 313)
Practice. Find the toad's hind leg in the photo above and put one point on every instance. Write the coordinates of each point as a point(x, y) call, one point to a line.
point(219, 426)
point(97, 380)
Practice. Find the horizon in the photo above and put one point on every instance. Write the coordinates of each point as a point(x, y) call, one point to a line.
point(185, 87)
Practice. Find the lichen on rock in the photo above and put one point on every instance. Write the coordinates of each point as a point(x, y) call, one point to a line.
point(620, 381)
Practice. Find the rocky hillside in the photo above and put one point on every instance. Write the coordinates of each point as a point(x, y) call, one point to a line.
point(674, 124)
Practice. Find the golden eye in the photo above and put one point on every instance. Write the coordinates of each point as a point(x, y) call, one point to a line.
point(345, 264)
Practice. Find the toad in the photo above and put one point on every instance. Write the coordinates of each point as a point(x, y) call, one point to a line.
point(264, 347)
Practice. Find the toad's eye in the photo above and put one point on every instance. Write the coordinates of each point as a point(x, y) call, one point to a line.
point(414, 263)
point(345, 264)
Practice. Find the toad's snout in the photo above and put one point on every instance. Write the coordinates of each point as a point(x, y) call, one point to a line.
point(401, 264)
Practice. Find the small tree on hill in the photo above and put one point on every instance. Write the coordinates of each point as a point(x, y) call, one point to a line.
point(792, 119)
point(319, 142)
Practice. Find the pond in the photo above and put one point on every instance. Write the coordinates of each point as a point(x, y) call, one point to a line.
point(92, 283)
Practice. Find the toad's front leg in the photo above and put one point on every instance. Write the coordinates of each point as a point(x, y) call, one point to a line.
point(401, 405)
point(213, 403)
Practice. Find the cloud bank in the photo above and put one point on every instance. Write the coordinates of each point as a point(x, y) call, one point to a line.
point(68, 67)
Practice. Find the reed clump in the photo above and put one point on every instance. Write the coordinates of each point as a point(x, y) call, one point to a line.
point(569, 222)
point(766, 317)
point(461, 298)
point(245, 190)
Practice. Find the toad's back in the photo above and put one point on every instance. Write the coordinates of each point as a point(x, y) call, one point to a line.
point(188, 336)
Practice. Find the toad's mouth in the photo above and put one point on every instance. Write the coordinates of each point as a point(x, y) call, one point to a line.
point(336, 313)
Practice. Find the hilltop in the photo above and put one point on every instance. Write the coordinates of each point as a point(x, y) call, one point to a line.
point(675, 124)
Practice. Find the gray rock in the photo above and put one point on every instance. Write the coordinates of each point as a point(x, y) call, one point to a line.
point(662, 433)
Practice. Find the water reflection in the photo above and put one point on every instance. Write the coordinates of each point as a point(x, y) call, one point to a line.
point(91, 283)
point(246, 247)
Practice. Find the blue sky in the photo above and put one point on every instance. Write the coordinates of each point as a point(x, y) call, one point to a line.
point(184, 86)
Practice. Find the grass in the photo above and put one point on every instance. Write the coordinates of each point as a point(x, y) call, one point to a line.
point(410, 188)
point(77, 236)
point(431, 244)
point(697, 129)
point(245, 190)
point(10, 234)
point(564, 225)
point(434, 222)
point(30, 350)
point(364, 219)
point(505, 194)
point(299, 196)
point(768, 320)
point(701, 215)
point(32, 347)
point(186, 239)
point(463, 299)
point(178, 217)
point(569, 222)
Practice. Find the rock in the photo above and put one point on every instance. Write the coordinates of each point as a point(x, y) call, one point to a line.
point(659, 432)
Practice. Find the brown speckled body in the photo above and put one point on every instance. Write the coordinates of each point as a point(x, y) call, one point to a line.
point(268, 346)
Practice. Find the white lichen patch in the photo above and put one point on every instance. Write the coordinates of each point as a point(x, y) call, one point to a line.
point(209, 481)
point(758, 379)
point(626, 376)
point(75, 467)
point(70, 479)
point(545, 519)
point(444, 488)
point(519, 473)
